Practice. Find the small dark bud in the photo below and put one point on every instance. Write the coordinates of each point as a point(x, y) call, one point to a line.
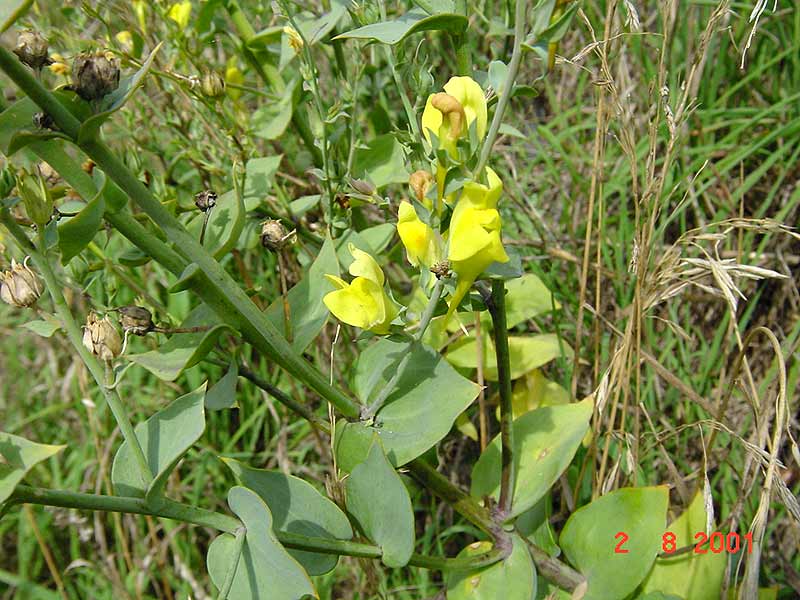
point(136, 320)
point(42, 120)
point(205, 200)
point(441, 269)
point(362, 187)
point(95, 75)
point(212, 85)
point(274, 235)
point(32, 50)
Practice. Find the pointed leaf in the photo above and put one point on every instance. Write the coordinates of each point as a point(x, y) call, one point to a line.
point(297, 507)
point(115, 100)
point(265, 569)
point(545, 440)
point(17, 457)
point(588, 539)
point(511, 579)
point(165, 438)
point(45, 328)
point(394, 32)
point(223, 393)
point(307, 312)
point(428, 391)
point(75, 233)
point(689, 575)
point(379, 501)
point(183, 350)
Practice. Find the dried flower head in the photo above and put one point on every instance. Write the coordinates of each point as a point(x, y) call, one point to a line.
point(274, 235)
point(420, 182)
point(31, 50)
point(101, 338)
point(19, 286)
point(205, 200)
point(212, 85)
point(441, 269)
point(136, 320)
point(94, 75)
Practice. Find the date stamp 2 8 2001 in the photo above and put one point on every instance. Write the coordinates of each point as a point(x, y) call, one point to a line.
point(717, 542)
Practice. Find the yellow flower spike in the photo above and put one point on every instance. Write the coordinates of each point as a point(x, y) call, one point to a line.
point(449, 115)
point(180, 13)
point(474, 235)
point(363, 302)
point(417, 237)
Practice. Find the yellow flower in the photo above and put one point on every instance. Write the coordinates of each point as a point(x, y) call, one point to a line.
point(233, 77)
point(125, 40)
point(180, 12)
point(474, 234)
point(59, 66)
point(450, 114)
point(417, 237)
point(362, 302)
point(294, 39)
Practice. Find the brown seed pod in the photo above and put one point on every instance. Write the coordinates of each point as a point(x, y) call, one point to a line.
point(212, 85)
point(19, 286)
point(101, 338)
point(205, 200)
point(31, 50)
point(136, 320)
point(274, 235)
point(95, 75)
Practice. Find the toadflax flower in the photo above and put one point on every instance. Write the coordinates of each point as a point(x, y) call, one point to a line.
point(180, 13)
point(19, 286)
point(363, 302)
point(418, 238)
point(448, 115)
point(474, 234)
point(101, 338)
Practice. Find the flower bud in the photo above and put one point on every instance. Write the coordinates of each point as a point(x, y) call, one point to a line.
point(205, 200)
point(19, 286)
point(136, 320)
point(59, 66)
point(420, 182)
point(362, 187)
point(101, 338)
point(36, 197)
point(213, 85)
point(32, 50)
point(274, 235)
point(95, 75)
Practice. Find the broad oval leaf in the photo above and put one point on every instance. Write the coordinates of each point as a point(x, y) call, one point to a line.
point(165, 438)
point(381, 162)
point(307, 313)
point(689, 575)
point(526, 353)
point(511, 579)
point(115, 100)
point(429, 391)
point(414, 21)
point(224, 227)
point(545, 440)
point(11, 10)
point(588, 539)
point(265, 569)
point(297, 507)
point(20, 456)
point(183, 350)
point(379, 502)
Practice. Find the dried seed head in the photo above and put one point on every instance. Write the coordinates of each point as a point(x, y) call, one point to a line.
point(32, 50)
point(274, 235)
point(19, 286)
point(205, 200)
point(213, 85)
point(136, 320)
point(101, 338)
point(95, 75)
point(420, 182)
point(441, 269)
point(42, 120)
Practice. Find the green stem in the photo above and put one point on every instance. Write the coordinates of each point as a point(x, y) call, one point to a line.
point(222, 292)
point(508, 87)
point(424, 321)
point(497, 309)
point(75, 336)
point(170, 509)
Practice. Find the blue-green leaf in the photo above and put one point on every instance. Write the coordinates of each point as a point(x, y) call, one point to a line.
point(20, 456)
point(414, 21)
point(381, 162)
point(75, 233)
point(223, 393)
point(511, 579)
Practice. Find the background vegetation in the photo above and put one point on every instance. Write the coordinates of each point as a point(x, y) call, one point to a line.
point(651, 181)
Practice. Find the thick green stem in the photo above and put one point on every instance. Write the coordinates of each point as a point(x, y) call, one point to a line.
point(74, 334)
point(508, 87)
point(497, 308)
point(170, 509)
